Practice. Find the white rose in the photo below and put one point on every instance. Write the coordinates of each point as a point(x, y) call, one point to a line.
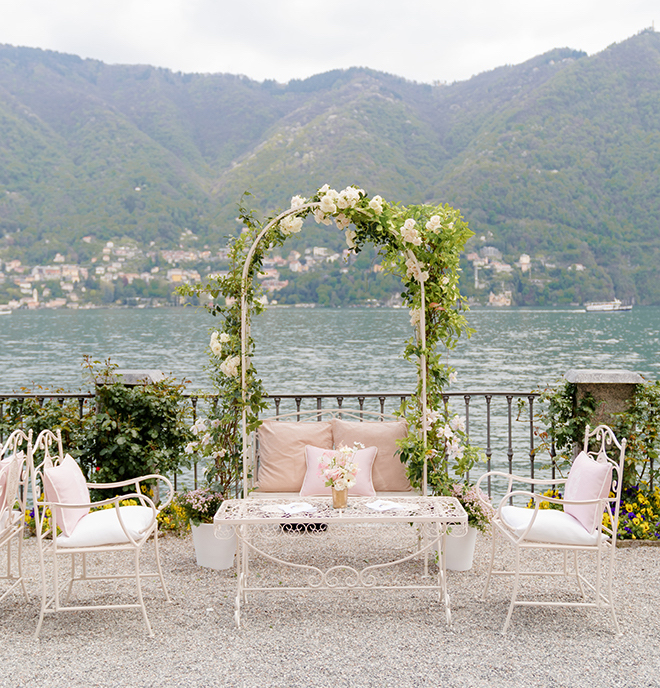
point(349, 197)
point(433, 223)
point(415, 316)
point(291, 224)
point(342, 221)
point(321, 218)
point(409, 223)
point(376, 204)
point(224, 338)
point(414, 270)
point(230, 366)
point(327, 206)
point(350, 238)
point(297, 202)
point(410, 235)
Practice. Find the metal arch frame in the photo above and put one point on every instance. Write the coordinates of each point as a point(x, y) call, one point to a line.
point(245, 329)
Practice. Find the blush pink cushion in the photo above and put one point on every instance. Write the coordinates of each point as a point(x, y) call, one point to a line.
point(65, 483)
point(587, 479)
point(388, 473)
point(314, 482)
point(282, 464)
point(4, 472)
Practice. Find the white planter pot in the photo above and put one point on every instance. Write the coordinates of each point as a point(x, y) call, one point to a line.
point(459, 551)
point(211, 551)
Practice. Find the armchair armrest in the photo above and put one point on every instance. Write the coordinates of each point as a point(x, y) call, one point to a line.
point(162, 503)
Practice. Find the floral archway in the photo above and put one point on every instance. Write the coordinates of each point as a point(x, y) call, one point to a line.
point(421, 244)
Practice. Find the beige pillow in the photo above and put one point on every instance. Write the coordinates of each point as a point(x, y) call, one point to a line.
point(388, 473)
point(282, 463)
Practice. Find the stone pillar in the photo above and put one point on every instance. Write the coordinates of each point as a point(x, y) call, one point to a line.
point(611, 388)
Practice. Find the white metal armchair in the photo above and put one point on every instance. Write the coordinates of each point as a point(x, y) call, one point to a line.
point(67, 528)
point(13, 496)
point(587, 523)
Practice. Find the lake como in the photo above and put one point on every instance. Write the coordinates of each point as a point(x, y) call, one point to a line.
point(313, 350)
point(327, 350)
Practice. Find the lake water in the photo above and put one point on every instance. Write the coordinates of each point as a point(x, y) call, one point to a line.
point(303, 350)
point(320, 350)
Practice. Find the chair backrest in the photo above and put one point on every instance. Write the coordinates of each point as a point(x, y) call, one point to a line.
point(602, 445)
point(46, 450)
point(13, 475)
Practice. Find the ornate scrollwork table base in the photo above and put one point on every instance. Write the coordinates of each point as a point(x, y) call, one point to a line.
point(261, 526)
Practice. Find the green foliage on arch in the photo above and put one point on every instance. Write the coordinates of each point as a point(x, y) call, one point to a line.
point(421, 244)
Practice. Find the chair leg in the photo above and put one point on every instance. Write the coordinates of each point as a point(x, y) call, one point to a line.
point(20, 566)
point(514, 593)
point(138, 581)
point(44, 593)
point(73, 574)
point(577, 574)
point(160, 570)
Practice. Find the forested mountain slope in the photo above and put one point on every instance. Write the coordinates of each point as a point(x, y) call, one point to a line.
point(557, 158)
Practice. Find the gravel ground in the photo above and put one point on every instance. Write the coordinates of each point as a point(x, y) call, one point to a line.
point(355, 639)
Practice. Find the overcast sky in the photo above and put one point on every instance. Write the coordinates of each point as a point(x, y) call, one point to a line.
point(422, 40)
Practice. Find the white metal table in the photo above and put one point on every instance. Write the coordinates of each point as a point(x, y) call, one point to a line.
point(259, 523)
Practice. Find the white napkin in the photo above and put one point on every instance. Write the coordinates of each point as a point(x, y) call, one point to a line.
point(385, 505)
point(296, 508)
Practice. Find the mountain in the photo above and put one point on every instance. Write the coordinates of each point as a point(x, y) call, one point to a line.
point(556, 158)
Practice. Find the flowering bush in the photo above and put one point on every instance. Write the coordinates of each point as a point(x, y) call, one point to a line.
point(222, 466)
point(639, 514)
point(476, 503)
point(200, 506)
point(338, 466)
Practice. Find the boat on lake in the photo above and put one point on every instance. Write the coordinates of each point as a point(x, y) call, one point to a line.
point(5, 310)
point(607, 306)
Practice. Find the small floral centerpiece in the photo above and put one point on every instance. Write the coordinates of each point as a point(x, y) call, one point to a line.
point(339, 468)
point(200, 505)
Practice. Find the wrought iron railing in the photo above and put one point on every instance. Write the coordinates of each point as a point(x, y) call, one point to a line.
point(496, 422)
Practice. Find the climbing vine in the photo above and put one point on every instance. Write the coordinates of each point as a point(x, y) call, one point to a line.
point(420, 243)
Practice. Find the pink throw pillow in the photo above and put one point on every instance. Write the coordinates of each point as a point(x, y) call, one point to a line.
point(282, 452)
point(314, 482)
point(65, 483)
point(4, 472)
point(389, 474)
point(587, 479)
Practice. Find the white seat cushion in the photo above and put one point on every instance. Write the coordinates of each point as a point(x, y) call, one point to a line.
point(103, 527)
point(550, 525)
